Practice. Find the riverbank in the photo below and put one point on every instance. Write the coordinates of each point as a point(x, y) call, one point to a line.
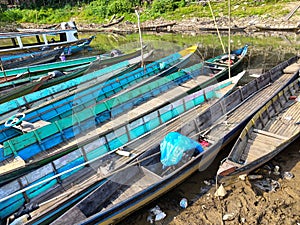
point(192, 25)
point(246, 202)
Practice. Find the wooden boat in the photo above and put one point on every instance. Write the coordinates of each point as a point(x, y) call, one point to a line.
point(70, 166)
point(33, 58)
point(20, 87)
point(102, 60)
point(72, 49)
point(93, 93)
point(154, 166)
point(36, 39)
point(64, 107)
point(275, 28)
point(52, 78)
point(224, 29)
point(269, 132)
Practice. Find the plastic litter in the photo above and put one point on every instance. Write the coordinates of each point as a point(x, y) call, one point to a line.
point(288, 175)
point(221, 192)
point(206, 182)
point(276, 170)
point(267, 185)
point(228, 216)
point(156, 214)
point(175, 147)
point(255, 177)
point(243, 177)
point(183, 203)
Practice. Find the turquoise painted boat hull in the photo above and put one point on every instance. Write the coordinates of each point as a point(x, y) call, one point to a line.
point(94, 149)
point(93, 94)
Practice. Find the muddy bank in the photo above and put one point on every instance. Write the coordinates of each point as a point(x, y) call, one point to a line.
point(247, 202)
point(244, 203)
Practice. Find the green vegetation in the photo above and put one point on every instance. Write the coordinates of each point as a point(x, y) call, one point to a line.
point(100, 11)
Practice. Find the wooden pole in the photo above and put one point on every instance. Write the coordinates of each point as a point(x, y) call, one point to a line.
point(229, 25)
point(140, 34)
point(212, 13)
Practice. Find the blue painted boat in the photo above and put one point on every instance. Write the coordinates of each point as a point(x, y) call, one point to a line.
point(88, 93)
point(29, 72)
point(44, 183)
point(53, 134)
point(42, 82)
point(33, 58)
point(90, 116)
point(72, 49)
point(159, 163)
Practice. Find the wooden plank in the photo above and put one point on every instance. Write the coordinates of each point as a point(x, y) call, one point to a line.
point(267, 133)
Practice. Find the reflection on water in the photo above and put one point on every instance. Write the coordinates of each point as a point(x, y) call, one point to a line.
point(264, 53)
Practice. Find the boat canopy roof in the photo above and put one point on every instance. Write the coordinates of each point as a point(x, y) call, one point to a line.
point(34, 32)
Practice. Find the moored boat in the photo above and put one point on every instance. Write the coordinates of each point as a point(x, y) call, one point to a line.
point(77, 165)
point(162, 163)
point(33, 58)
point(41, 82)
point(268, 132)
point(30, 71)
point(90, 93)
point(38, 39)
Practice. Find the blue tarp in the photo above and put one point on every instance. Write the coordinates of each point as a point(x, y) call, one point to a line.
point(174, 145)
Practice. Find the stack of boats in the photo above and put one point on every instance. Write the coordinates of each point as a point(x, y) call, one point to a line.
point(98, 140)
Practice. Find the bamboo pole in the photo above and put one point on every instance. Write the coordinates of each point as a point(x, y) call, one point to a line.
point(212, 13)
point(229, 37)
point(140, 34)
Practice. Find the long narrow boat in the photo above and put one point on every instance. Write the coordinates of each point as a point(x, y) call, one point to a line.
point(89, 114)
point(72, 49)
point(156, 164)
point(62, 106)
point(31, 59)
point(268, 132)
point(30, 39)
point(80, 163)
point(92, 92)
point(90, 135)
point(106, 59)
point(52, 78)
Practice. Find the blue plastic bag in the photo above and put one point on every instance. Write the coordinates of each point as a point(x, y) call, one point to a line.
point(174, 145)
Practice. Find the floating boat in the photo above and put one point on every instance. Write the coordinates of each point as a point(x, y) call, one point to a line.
point(39, 39)
point(282, 28)
point(268, 132)
point(30, 71)
point(89, 92)
point(83, 162)
point(72, 49)
point(158, 163)
point(33, 58)
point(52, 78)
point(22, 86)
point(93, 100)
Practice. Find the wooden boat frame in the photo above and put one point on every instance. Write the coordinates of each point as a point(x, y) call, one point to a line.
point(244, 158)
point(176, 174)
point(206, 95)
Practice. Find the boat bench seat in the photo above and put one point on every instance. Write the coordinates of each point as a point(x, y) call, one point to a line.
point(267, 133)
point(26, 127)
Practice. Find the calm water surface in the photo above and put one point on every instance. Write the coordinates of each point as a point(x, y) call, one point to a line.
point(265, 51)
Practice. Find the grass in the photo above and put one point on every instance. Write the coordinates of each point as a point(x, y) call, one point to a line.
point(99, 13)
